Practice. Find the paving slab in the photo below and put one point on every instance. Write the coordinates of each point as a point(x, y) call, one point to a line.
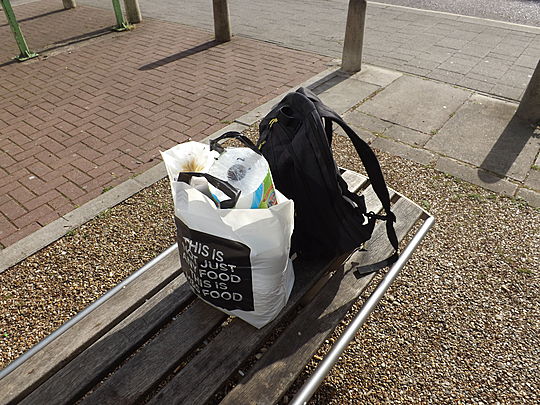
point(484, 132)
point(476, 176)
point(358, 119)
point(532, 197)
point(533, 179)
point(421, 156)
point(406, 135)
point(419, 104)
point(376, 75)
point(505, 91)
point(366, 136)
point(346, 93)
point(473, 81)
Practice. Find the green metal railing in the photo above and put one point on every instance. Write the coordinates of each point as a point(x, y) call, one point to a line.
point(26, 53)
point(122, 24)
point(19, 37)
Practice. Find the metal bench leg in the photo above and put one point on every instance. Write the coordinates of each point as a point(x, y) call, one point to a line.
point(309, 388)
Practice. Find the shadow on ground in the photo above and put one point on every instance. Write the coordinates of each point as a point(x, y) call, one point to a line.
point(180, 55)
point(506, 150)
point(48, 13)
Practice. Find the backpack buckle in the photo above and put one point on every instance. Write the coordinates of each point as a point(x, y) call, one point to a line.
point(388, 217)
point(372, 215)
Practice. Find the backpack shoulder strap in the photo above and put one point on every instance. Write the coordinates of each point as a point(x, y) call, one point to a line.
point(368, 158)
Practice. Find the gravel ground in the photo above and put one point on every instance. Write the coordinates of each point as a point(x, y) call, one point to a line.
point(45, 290)
point(461, 324)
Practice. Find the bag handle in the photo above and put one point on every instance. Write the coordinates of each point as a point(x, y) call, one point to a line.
point(373, 169)
point(230, 191)
point(215, 145)
point(369, 160)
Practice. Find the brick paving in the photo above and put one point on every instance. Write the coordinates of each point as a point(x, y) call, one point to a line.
point(492, 57)
point(86, 116)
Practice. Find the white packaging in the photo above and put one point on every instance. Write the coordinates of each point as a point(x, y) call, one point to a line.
point(249, 172)
point(237, 260)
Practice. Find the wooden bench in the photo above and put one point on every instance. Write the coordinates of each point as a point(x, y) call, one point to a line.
point(151, 340)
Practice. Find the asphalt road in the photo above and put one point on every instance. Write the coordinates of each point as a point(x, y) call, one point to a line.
point(525, 12)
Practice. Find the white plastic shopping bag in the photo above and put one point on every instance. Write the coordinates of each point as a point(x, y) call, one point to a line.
point(235, 259)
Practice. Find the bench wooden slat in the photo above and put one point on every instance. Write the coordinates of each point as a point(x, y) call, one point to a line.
point(120, 358)
point(78, 337)
point(273, 374)
point(130, 384)
point(159, 357)
point(206, 373)
point(73, 381)
point(355, 181)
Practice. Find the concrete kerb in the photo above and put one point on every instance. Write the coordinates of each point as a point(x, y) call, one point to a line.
point(14, 254)
point(530, 196)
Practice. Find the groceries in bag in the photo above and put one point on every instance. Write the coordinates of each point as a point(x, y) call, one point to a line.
point(234, 259)
point(248, 171)
point(188, 157)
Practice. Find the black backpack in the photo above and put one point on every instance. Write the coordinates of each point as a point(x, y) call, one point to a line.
point(295, 138)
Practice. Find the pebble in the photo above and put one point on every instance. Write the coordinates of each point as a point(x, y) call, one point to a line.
point(466, 314)
point(465, 330)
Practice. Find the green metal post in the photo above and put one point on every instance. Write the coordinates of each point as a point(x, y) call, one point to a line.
point(122, 24)
point(19, 38)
